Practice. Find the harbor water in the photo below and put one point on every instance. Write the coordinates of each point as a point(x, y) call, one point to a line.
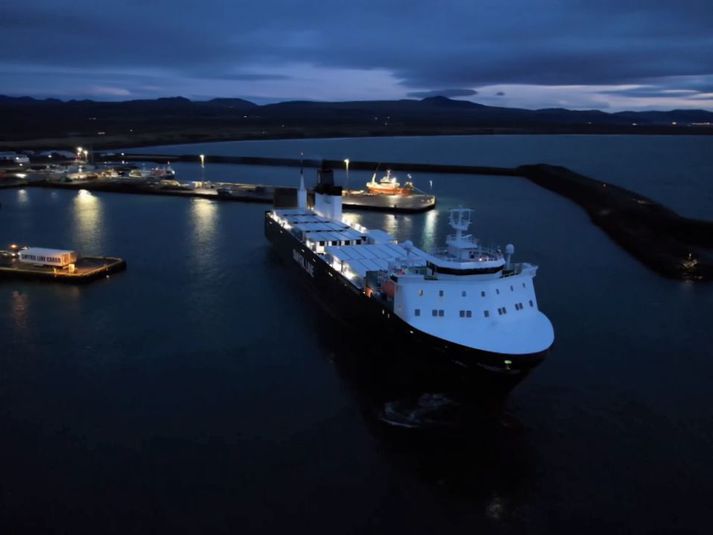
point(203, 390)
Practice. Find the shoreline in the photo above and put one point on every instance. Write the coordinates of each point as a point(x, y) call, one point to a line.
point(189, 137)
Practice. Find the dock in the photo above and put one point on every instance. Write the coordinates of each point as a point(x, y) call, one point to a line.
point(241, 192)
point(87, 269)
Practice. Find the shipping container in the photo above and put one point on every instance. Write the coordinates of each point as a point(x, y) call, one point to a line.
point(39, 256)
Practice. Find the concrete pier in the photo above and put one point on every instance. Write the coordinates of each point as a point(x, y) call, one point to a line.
point(87, 269)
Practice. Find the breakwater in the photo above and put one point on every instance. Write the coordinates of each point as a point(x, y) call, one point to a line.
point(317, 163)
point(673, 245)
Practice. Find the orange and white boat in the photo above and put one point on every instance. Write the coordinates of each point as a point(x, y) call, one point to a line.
point(389, 185)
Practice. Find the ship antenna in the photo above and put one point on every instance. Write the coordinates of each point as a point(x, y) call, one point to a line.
point(373, 177)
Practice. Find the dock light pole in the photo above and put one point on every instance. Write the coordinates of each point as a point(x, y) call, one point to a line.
point(86, 156)
point(202, 157)
point(79, 153)
point(346, 165)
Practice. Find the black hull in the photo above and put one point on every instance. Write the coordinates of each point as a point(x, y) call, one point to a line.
point(495, 374)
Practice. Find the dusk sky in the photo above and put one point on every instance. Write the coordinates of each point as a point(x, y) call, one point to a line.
point(605, 54)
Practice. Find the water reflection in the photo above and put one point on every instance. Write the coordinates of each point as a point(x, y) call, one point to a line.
point(203, 220)
point(88, 223)
point(19, 307)
point(22, 197)
point(393, 224)
point(429, 239)
point(204, 213)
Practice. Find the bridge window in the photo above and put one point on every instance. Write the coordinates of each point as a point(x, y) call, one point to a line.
point(463, 293)
point(468, 313)
point(523, 285)
point(486, 313)
point(420, 292)
point(417, 312)
point(434, 312)
point(497, 291)
point(531, 303)
point(461, 313)
point(511, 288)
point(482, 294)
point(441, 313)
point(440, 293)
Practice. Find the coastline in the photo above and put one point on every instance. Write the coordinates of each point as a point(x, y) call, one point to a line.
point(271, 133)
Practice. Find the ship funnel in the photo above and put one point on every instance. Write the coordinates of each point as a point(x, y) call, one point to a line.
point(302, 194)
point(328, 196)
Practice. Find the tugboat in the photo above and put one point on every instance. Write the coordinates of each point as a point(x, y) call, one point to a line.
point(467, 307)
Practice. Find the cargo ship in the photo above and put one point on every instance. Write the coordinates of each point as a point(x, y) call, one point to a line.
point(467, 308)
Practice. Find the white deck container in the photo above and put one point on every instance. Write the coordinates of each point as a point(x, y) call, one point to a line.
point(39, 256)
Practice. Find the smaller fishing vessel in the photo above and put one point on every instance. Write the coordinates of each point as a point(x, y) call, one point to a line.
point(389, 185)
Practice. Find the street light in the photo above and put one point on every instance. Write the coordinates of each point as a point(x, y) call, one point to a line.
point(79, 153)
point(86, 155)
point(202, 157)
point(346, 164)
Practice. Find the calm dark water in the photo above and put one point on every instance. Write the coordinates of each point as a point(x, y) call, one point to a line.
point(203, 390)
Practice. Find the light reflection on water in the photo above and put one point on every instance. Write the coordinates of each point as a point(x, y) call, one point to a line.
point(19, 306)
point(204, 213)
point(22, 197)
point(88, 223)
point(203, 218)
point(429, 238)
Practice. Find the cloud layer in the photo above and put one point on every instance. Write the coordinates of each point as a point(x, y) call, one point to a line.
point(605, 52)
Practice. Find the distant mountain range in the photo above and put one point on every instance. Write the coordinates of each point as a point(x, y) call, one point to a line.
point(179, 119)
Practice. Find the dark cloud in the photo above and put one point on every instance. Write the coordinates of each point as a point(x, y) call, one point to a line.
point(457, 43)
point(443, 93)
point(247, 76)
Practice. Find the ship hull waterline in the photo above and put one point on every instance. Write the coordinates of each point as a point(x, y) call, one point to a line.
point(493, 374)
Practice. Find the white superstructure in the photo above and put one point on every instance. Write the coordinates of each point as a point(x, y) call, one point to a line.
point(464, 294)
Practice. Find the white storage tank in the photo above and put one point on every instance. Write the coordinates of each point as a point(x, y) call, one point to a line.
point(40, 256)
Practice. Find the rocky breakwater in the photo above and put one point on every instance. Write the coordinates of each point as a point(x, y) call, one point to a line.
point(673, 245)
